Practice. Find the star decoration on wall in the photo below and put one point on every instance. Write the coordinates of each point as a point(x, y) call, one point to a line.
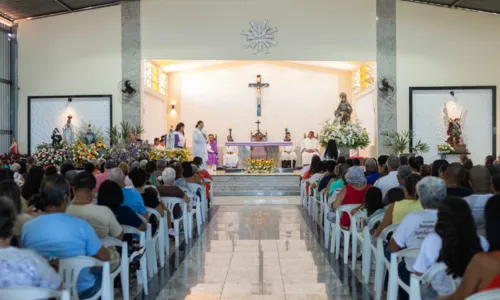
point(260, 37)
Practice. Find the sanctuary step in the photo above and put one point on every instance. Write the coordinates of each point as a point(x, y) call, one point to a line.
point(256, 185)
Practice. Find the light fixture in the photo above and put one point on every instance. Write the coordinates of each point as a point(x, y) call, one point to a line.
point(173, 106)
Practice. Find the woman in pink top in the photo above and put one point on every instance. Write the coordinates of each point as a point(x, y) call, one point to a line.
point(353, 193)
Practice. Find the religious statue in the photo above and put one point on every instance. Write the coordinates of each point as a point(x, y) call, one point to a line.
point(68, 132)
point(453, 118)
point(56, 137)
point(14, 147)
point(258, 85)
point(344, 110)
point(89, 136)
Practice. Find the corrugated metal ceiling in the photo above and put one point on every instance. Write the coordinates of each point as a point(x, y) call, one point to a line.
point(491, 6)
point(22, 9)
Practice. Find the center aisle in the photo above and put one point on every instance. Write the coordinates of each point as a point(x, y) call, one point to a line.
point(259, 252)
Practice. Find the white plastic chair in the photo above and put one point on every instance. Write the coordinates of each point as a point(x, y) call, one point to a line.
point(303, 193)
point(70, 268)
point(326, 224)
point(346, 233)
point(488, 295)
point(357, 226)
point(150, 249)
point(159, 238)
point(122, 269)
point(416, 281)
point(194, 187)
point(32, 293)
point(170, 202)
point(143, 278)
point(369, 247)
point(381, 263)
point(394, 280)
point(195, 212)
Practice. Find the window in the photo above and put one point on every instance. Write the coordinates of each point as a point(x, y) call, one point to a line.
point(155, 78)
point(363, 77)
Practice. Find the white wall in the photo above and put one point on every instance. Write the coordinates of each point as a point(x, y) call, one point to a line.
point(318, 30)
point(364, 105)
point(298, 99)
point(154, 115)
point(73, 54)
point(444, 47)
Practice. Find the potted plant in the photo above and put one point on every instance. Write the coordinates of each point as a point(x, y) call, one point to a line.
point(399, 143)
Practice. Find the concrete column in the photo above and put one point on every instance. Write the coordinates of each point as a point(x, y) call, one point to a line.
point(131, 59)
point(386, 69)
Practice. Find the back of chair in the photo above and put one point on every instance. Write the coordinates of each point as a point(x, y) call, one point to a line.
point(170, 202)
point(416, 281)
point(32, 293)
point(70, 268)
point(488, 295)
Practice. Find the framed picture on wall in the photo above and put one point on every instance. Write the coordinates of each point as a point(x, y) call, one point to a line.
point(461, 115)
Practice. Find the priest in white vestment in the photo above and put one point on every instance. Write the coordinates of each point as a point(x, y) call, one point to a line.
point(230, 158)
point(200, 143)
point(287, 153)
point(309, 148)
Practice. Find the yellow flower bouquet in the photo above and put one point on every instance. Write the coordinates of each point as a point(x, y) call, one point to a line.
point(259, 166)
point(180, 155)
point(81, 153)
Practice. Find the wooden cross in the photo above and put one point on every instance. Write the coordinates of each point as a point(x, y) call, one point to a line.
point(259, 86)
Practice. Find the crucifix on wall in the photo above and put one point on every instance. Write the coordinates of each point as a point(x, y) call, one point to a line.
point(259, 87)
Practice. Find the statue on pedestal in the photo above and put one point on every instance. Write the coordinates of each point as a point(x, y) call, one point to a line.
point(90, 136)
point(56, 137)
point(453, 118)
point(68, 132)
point(344, 110)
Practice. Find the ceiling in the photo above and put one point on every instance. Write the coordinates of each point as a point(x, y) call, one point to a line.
point(181, 65)
point(490, 6)
point(22, 9)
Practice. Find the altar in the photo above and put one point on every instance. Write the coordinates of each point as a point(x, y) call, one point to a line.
point(272, 149)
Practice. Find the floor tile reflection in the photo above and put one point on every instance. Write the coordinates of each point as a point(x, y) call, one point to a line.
point(256, 252)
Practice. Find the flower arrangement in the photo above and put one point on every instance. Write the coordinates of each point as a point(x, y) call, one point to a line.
point(48, 155)
point(132, 151)
point(80, 153)
point(445, 148)
point(180, 155)
point(99, 134)
point(7, 159)
point(259, 166)
point(347, 135)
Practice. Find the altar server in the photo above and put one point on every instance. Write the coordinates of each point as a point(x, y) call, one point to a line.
point(309, 148)
point(287, 153)
point(212, 160)
point(179, 139)
point(200, 143)
point(230, 158)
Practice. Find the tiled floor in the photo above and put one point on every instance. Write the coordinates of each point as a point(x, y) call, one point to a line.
point(251, 250)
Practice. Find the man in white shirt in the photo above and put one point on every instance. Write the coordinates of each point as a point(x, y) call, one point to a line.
point(309, 148)
point(417, 225)
point(480, 181)
point(230, 158)
point(390, 180)
point(287, 153)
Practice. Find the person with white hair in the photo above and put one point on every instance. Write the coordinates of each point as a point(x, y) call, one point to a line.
point(352, 193)
point(415, 227)
point(18, 178)
point(143, 164)
point(131, 197)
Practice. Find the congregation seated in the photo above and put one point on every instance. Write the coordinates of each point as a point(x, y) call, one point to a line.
point(101, 218)
point(10, 189)
point(399, 208)
point(309, 147)
point(371, 171)
point(161, 164)
point(32, 183)
point(21, 267)
point(329, 175)
point(131, 197)
point(453, 175)
point(455, 241)
point(339, 181)
point(389, 181)
point(331, 152)
point(111, 195)
point(100, 178)
point(46, 236)
point(480, 180)
point(415, 162)
point(416, 225)
point(483, 271)
point(352, 193)
point(168, 189)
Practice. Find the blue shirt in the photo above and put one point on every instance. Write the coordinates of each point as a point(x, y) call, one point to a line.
point(324, 181)
point(133, 199)
point(371, 177)
point(63, 236)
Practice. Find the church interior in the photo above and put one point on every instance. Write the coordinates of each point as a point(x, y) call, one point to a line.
point(249, 149)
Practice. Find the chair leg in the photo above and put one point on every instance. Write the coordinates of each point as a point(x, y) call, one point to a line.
point(367, 260)
point(144, 275)
point(354, 251)
point(176, 229)
point(332, 239)
point(338, 232)
point(347, 237)
point(379, 274)
point(198, 224)
point(327, 227)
